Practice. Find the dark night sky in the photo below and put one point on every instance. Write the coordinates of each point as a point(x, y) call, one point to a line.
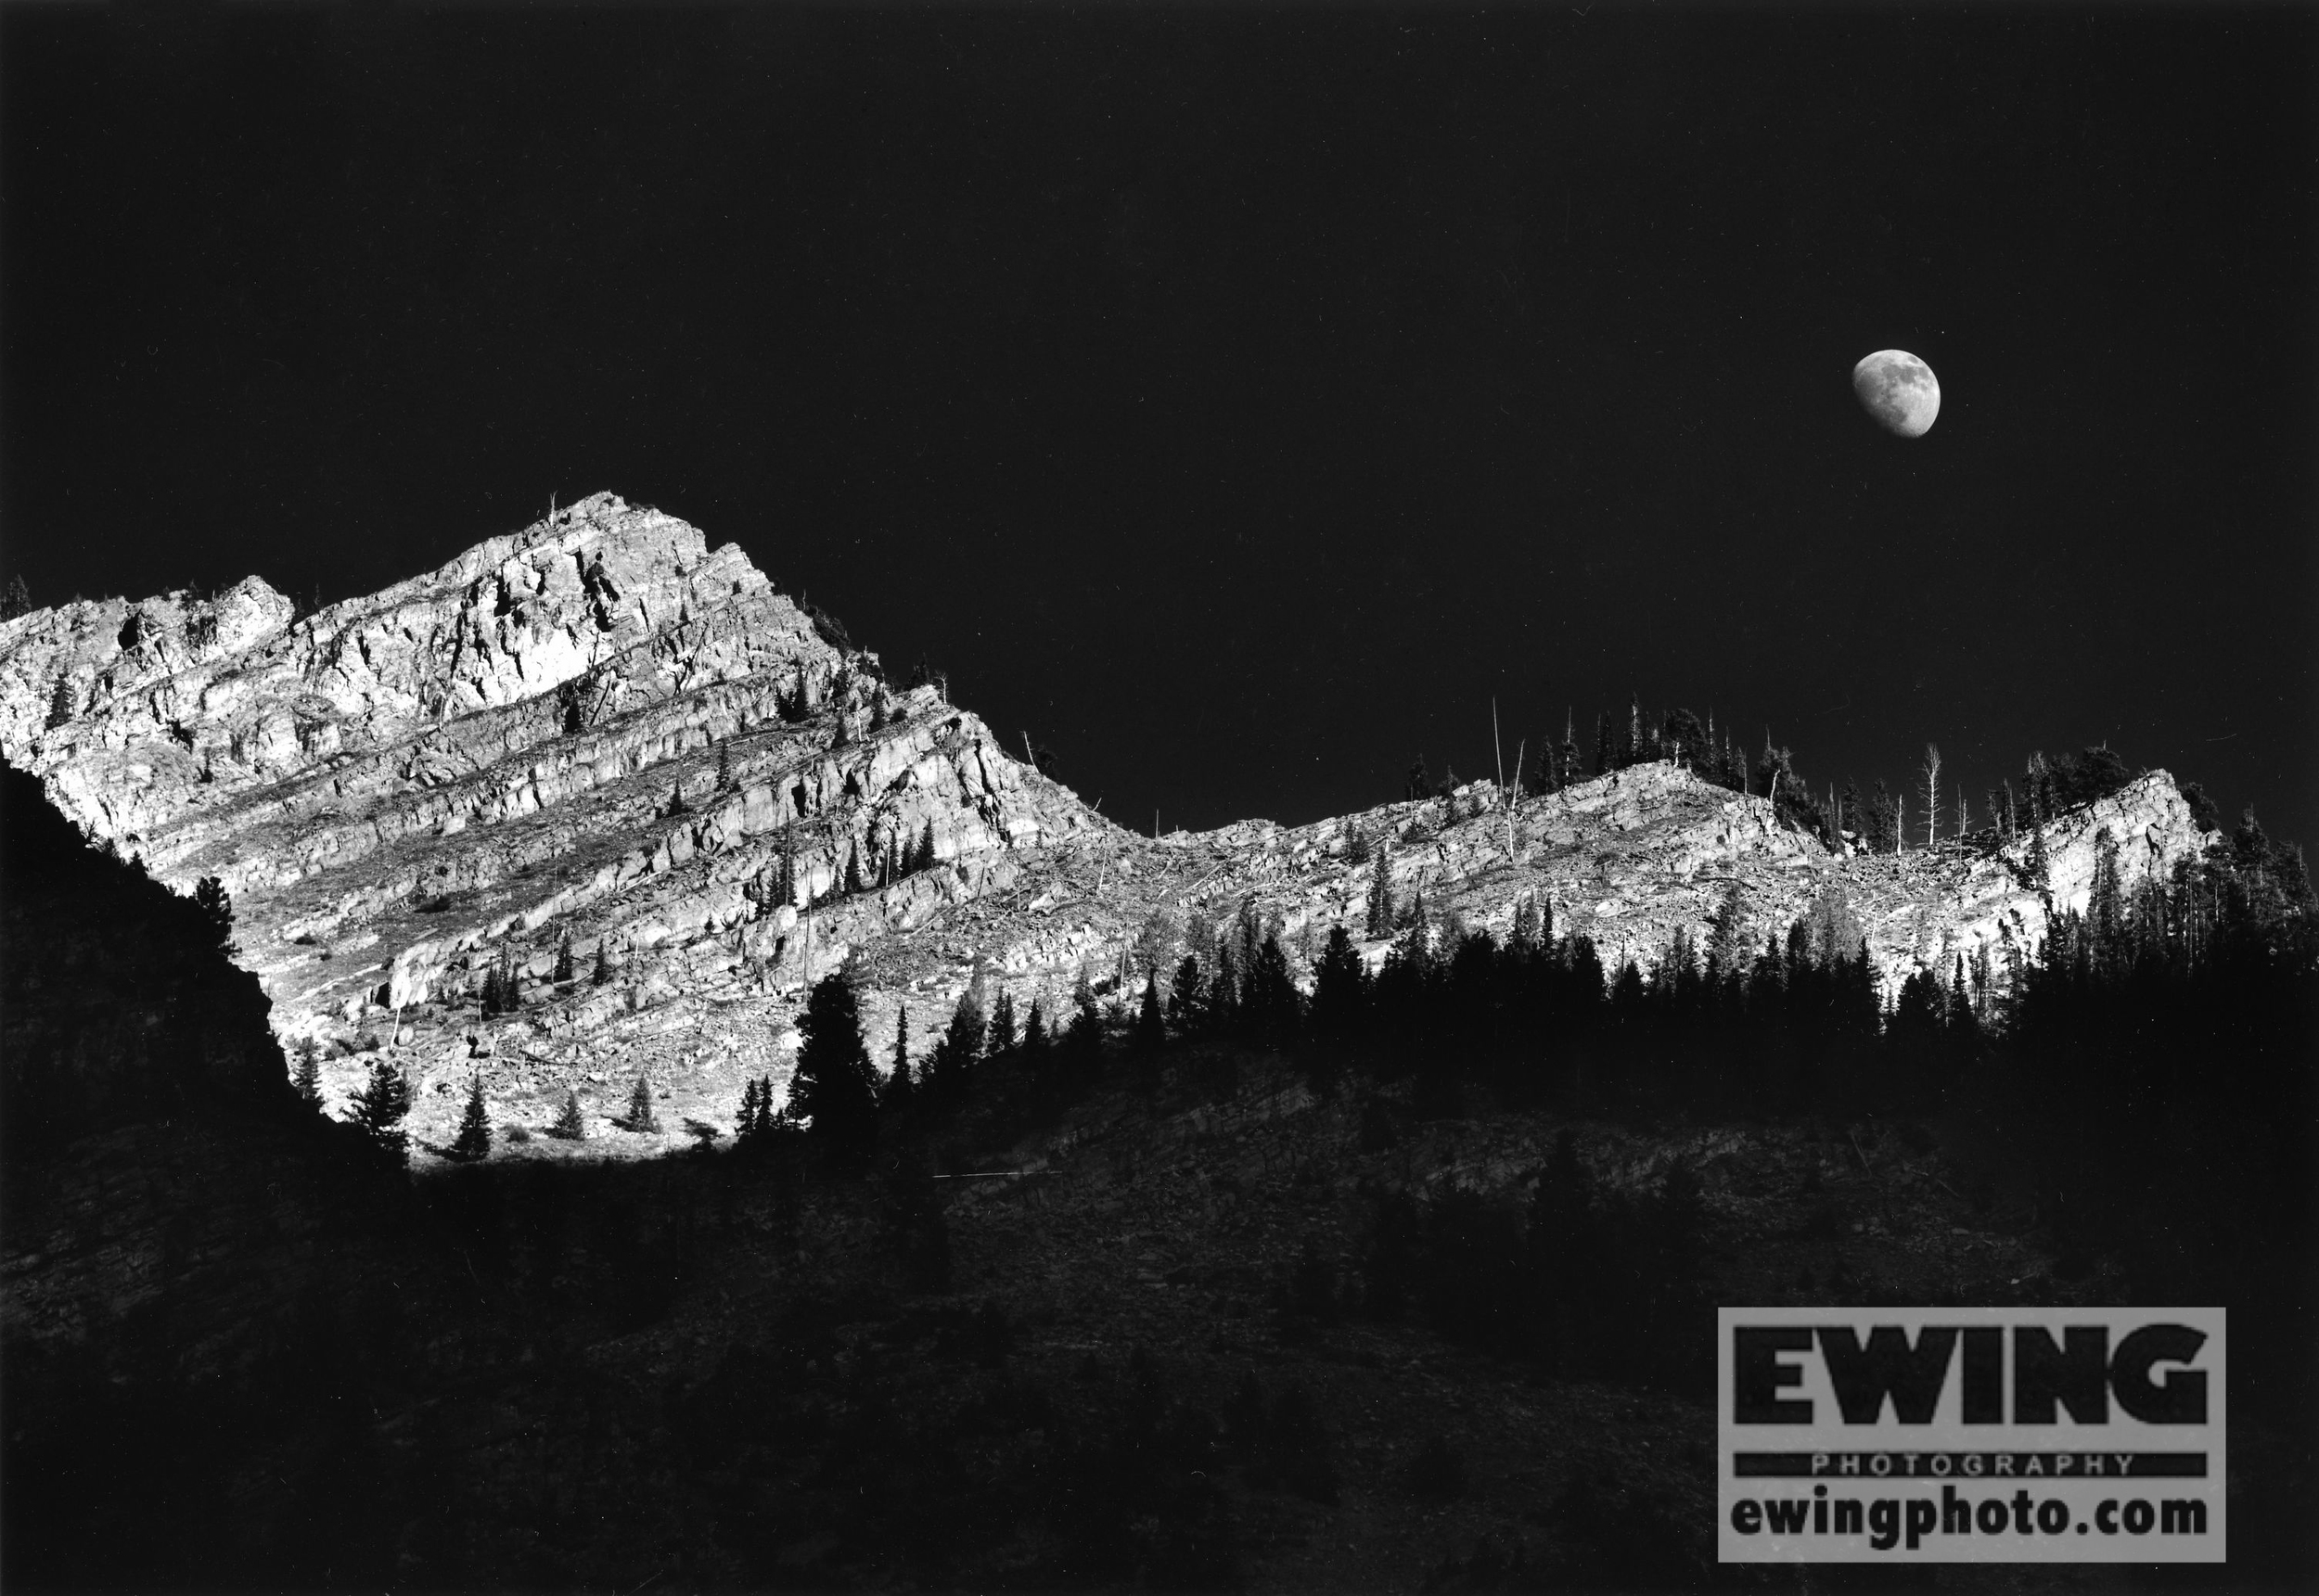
point(1237, 401)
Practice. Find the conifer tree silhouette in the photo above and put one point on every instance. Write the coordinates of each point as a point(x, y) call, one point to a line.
point(384, 1103)
point(746, 1124)
point(1002, 1038)
point(898, 1086)
point(307, 1081)
point(1151, 1027)
point(1380, 918)
point(834, 1087)
point(641, 1119)
point(211, 896)
point(475, 1132)
point(570, 1125)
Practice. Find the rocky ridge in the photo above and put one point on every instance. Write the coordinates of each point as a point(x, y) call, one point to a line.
point(599, 730)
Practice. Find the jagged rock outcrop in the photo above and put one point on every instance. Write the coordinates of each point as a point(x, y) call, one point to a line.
point(600, 732)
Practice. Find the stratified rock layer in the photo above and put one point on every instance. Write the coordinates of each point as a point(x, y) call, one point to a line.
point(601, 733)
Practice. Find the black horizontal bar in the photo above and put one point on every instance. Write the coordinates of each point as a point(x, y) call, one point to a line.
point(2139, 1465)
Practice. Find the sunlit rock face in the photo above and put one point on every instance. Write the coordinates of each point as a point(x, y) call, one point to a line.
point(600, 731)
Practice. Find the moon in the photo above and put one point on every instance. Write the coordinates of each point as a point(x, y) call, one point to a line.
point(1899, 390)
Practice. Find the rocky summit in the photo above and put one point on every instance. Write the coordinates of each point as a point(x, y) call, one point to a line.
point(600, 755)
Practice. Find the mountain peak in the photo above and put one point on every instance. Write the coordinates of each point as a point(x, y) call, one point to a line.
point(599, 734)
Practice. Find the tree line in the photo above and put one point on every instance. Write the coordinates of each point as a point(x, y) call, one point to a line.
point(1923, 813)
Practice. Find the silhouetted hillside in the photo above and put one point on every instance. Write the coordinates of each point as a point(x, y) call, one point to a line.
point(121, 1004)
point(1409, 1287)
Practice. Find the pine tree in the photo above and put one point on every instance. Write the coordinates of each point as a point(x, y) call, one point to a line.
point(1001, 1037)
point(960, 1049)
point(898, 1083)
point(1380, 918)
point(744, 1122)
point(217, 907)
point(475, 1132)
point(15, 600)
point(2039, 783)
point(926, 847)
point(381, 1107)
point(835, 1087)
point(1083, 1044)
point(745, 1117)
point(1184, 997)
point(1569, 764)
point(1684, 739)
point(1151, 1028)
point(602, 974)
point(307, 1081)
point(640, 1116)
point(1271, 1005)
point(725, 765)
point(1340, 987)
point(2106, 908)
point(1605, 760)
point(853, 882)
point(59, 705)
point(676, 802)
point(564, 969)
point(1411, 913)
point(1727, 936)
point(491, 999)
point(570, 1125)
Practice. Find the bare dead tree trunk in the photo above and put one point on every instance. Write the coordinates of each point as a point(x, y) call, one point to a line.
point(1497, 744)
point(1933, 794)
point(1515, 798)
